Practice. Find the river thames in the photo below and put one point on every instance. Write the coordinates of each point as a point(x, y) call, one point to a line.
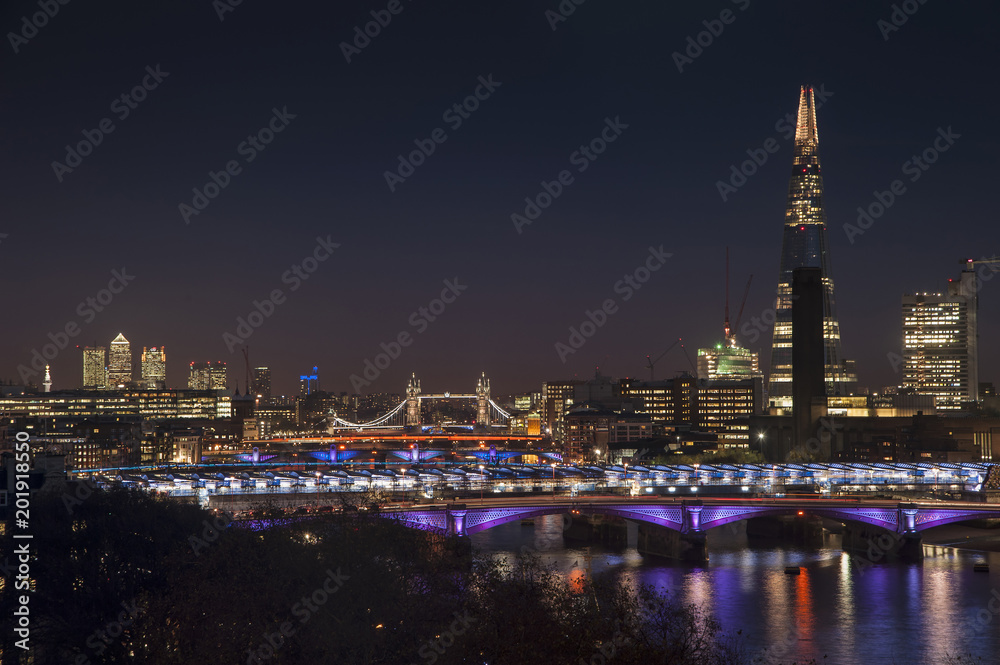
point(836, 608)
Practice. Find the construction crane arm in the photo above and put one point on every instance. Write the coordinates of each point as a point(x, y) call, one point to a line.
point(651, 363)
point(739, 316)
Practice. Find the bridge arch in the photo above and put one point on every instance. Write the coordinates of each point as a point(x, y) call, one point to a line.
point(670, 517)
point(885, 518)
point(687, 517)
point(941, 517)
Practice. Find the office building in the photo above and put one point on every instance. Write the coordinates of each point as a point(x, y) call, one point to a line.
point(309, 383)
point(687, 401)
point(207, 375)
point(940, 345)
point(119, 362)
point(95, 368)
point(557, 398)
point(262, 383)
point(727, 361)
point(804, 245)
point(154, 367)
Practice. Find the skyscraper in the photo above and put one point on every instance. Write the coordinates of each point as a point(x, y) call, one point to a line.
point(207, 376)
point(154, 366)
point(217, 379)
point(940, 349)
point(119, 362)
point(309, 383)
point(804, 245)
point(95, 368)
point(727, 362)
point(262, 382)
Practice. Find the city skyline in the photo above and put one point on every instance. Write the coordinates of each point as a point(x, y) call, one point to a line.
point(679, 184)
point(452, 290)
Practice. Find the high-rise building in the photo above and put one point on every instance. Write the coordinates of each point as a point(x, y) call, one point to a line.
point(262, 382)
point(940, 349)
point(804, 245)
point(309, 383)
point(217, 379)
point(727, 362)
point(557, 399)
point(207, 376)
point(95, 368)
point(119, 362)
point(154, 366)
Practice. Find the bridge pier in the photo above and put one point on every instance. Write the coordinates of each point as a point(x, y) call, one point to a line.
point(597, 528)
point(876, 544)
point(659, 541)
point(688, 544)
point(456, 520)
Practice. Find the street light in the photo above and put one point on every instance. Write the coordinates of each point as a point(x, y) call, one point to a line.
point(482, 481)
point(553, 481)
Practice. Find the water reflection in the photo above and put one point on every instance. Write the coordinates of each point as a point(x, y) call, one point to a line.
point(838, 608)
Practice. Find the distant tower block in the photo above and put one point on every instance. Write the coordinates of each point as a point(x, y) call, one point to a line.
point(413, 402)
point(483, 400)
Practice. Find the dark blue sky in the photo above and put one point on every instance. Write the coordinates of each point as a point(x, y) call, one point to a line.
point(323, 176)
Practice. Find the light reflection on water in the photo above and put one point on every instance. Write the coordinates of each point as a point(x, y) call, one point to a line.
point(886, 613)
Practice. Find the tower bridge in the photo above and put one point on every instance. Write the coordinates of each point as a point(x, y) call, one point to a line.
point(408, 413)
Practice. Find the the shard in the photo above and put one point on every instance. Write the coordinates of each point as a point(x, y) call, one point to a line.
point(805, 245)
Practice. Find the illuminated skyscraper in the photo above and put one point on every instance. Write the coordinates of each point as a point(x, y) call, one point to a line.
point(217, 379)
point(940, 349)
point(727, 361)
point(119, 362)
point(95, 368)
point(207, 376)
point(805, 246)
point(309, 383)
point(154, 366)
point(262, 382)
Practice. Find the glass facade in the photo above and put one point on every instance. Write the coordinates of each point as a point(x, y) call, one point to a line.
point(939, 344)
point(154, 364)
point(95, 368)
point(120, 362)
point(804, 245)
point(727, 362)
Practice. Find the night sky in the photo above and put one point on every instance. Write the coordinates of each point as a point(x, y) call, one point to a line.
point(323, 176)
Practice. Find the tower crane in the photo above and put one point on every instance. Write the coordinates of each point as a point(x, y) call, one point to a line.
point(252, 389)
point(730, 336)
point(990, 261)
point(651, 363)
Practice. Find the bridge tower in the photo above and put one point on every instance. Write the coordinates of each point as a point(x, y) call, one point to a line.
point(483, 401)
point(413, 401)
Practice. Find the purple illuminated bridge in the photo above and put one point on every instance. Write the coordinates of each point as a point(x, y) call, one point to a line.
point(691, 517)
